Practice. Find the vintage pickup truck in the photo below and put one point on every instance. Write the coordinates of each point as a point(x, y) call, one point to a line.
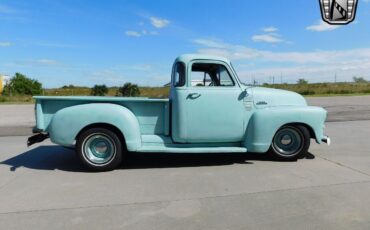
point(209, 111)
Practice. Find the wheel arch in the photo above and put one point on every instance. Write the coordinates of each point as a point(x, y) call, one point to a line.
point(308, 127)
point(68, 123)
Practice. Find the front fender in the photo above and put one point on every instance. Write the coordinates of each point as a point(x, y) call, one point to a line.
point(68, 122)
point(265, 122)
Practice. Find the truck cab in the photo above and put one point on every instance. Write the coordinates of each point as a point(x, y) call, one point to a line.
point(207, 101)
point(209, 110)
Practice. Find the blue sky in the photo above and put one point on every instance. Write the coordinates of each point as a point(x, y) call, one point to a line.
point(85, 42)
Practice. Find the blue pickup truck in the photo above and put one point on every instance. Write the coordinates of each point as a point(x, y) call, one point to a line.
point(209, 111)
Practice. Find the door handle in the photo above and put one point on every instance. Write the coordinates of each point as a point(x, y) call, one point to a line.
point(193, 95)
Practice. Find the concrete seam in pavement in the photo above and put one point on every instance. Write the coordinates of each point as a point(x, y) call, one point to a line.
point(345, 166)
point(177, 200)
point(346, 120)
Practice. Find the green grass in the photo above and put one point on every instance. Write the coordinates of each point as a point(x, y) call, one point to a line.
point(325, 89)
point(308, 90)
point(16, 99)
point(75, 91)
point(155, 92)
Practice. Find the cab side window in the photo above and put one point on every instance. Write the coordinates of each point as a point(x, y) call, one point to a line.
point(179, 75)
point(210, 75)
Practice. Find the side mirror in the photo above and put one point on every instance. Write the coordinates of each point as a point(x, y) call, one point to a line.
point(243, 94)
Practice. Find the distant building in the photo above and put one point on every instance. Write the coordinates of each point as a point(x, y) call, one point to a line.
point(3, 81)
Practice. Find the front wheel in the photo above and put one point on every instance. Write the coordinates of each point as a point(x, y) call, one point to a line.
point(290, 142)
point(99, 149)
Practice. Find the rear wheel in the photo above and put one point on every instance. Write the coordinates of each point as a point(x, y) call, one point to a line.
point(290, 142)
point(99, 149)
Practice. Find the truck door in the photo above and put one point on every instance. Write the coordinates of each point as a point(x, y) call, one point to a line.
point(214, 109)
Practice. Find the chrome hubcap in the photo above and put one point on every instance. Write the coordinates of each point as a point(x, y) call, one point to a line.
point(286, 140)
point(99, 149)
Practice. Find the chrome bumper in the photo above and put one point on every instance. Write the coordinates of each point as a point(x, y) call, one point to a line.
point(326, 140)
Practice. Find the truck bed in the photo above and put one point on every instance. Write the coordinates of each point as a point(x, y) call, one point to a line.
point(152, 114)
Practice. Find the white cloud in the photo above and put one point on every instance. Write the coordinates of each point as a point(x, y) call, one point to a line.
point(270, 29)
point(322, 26)
point(240, 52)
point(159, 22)
point(5, 44)
point(270, 38)
point(321, 64)
point(154, 21)
point(46, 62)
point(132, 33)
point(210, 43)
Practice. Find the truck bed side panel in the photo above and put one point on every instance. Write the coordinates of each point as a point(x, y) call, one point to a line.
point(152, 114)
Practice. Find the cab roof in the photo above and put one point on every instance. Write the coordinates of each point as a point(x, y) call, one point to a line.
point(190, 57)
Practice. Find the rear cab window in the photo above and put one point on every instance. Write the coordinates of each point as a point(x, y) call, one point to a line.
point(179, 75)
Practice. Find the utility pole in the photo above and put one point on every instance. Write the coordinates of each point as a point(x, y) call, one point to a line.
point(281, 78)
point(335, 77)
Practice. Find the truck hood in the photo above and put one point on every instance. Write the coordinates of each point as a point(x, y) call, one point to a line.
point(267, 97)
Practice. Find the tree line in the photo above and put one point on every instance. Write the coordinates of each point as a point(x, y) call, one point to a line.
point(20, 84)
point(127, 90)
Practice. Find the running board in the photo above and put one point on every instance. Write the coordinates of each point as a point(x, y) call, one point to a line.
point(165, 149)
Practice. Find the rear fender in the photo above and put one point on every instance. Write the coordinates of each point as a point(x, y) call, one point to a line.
point(68, 122)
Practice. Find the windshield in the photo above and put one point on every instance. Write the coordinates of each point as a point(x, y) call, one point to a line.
point(236, 75)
